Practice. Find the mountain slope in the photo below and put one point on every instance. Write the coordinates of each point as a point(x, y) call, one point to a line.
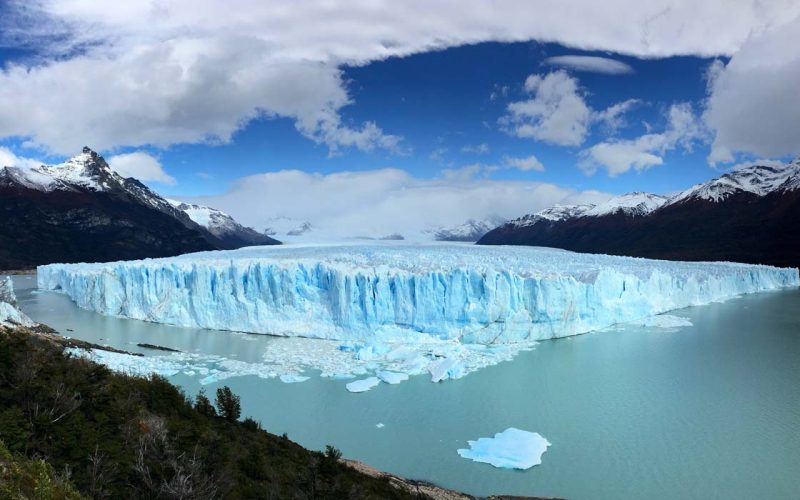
point(82, 211)
point(223, 226)
point(470, 231)
point(747, 215)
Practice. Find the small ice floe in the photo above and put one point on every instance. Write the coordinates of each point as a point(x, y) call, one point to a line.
point(665, 321)
point(391, 377)
point(510, 449)
point(380, 425)
point(292, 378)
point(363, 385)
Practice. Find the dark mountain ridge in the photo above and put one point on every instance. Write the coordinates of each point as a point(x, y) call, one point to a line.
point(748, 215)
point(82, 211)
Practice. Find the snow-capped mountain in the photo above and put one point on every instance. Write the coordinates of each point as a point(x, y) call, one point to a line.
point(87, 172)
point(749, 214)
point(470, 231)
point(552, 214)
point(223, 226)
point(631, 204)
point(81, 210)
point(757, 179)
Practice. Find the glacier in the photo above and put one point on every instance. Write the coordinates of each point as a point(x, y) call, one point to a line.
point(396, 292)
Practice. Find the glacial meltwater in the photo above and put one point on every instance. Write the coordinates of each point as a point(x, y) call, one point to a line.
point(710, 410)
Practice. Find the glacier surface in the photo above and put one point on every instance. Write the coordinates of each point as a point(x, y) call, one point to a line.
point(510, 449)
point(403, 293)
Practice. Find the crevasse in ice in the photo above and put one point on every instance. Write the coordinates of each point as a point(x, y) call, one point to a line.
point(403, 293)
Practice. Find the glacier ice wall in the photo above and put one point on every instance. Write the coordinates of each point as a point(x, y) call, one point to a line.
point(402, 292)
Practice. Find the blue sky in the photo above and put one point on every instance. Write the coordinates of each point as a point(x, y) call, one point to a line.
point(467, 103)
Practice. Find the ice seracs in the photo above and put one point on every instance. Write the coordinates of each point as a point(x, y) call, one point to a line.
point(510, 449)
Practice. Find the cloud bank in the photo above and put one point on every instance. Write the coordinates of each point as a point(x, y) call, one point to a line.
point(181, 71)
point(335, 204)
point(754, 103)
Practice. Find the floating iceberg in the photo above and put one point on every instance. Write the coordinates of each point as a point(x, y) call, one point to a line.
point(403, 293)
point(391, 377)
point(363, 385)
point(293, 378)
point(510, 449)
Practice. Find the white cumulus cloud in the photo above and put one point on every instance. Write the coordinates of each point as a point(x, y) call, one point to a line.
point(530, 163)
point(683, 129)
point(140, 165)
point(9, 159)
point(754, 101)
point(556, 113)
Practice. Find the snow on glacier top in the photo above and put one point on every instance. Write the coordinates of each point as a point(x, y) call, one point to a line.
point(399, 256)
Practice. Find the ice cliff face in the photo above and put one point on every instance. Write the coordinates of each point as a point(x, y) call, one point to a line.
point(399, 292)
point(10, 316)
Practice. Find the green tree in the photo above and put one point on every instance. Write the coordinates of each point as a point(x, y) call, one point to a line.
point(203, 405)
point(332, 453)
point(228, 404)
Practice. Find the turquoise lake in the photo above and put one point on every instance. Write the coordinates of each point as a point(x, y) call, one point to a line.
point(707, 411)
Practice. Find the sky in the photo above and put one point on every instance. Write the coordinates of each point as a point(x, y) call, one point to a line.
point(375, 117)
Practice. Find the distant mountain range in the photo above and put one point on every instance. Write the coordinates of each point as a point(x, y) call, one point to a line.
point(470, 231)
point(751, 214)
point(223, 226)
point(82, 211)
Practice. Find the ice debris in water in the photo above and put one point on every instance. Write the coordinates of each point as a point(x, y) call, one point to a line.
point(391, 377)
point(398, 292)
point(668, 321)
point(510, 449)
point(363, 385)
point(286, 358)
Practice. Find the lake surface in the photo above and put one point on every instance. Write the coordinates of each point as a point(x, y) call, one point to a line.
point(707, 411)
